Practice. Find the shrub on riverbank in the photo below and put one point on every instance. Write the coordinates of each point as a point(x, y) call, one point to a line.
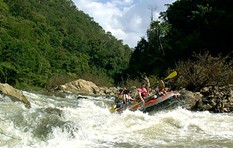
point(98, 79)
point(204, 70)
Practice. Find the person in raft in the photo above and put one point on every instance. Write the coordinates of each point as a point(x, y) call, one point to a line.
point(160, 89)
point(143, 91)
point(127, 98)
point(119, 98)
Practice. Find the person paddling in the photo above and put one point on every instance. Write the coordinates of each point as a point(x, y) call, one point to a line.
point(160, 89)
point(119, 98)
point(127, 98)
point(143, 91)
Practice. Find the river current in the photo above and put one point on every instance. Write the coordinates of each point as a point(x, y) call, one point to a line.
point(86, 122)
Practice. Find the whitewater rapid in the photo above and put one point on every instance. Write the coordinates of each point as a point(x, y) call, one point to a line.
point(86, 122)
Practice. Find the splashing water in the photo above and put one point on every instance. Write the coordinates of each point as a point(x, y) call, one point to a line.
point(86, 122)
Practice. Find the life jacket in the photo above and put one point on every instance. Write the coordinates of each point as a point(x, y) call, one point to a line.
point(162, 90)
point(119, 97)
point(127, 98)
point(144, 92)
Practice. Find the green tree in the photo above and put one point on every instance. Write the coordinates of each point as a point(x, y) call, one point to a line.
point(43, 39)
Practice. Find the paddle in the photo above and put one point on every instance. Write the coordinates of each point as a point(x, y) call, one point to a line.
point(113, 109)
point(171, 75)
point(135, 105)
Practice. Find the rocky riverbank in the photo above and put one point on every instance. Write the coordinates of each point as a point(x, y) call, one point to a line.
point(212, 98)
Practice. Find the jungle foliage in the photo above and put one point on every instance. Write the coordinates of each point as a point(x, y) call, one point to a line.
point(186, 27)
point(47, 42)
point(204, 70)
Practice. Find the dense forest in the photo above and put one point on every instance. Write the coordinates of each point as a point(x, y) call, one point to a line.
point(47, 42)
point(185, 28)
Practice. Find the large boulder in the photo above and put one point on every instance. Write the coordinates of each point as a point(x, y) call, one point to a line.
point(190, 99)
point(213, 98)
point(14, 94)
point(80, 86)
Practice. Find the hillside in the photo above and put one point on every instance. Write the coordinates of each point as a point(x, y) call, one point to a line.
point(44, 43)
point(186, 28)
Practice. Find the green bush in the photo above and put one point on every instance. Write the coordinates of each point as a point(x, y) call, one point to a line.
point(57, 80)
point(204, 70)
point(99, 78)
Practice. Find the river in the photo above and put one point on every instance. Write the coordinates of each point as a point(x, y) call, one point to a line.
point(86, 122)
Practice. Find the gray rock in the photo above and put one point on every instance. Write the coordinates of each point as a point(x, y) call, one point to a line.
point(14, 94)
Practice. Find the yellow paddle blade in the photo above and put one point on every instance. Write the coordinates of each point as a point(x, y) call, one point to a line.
point(171, 75)
point(112, 109)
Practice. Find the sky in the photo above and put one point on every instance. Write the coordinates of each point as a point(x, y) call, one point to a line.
point(127, 20)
